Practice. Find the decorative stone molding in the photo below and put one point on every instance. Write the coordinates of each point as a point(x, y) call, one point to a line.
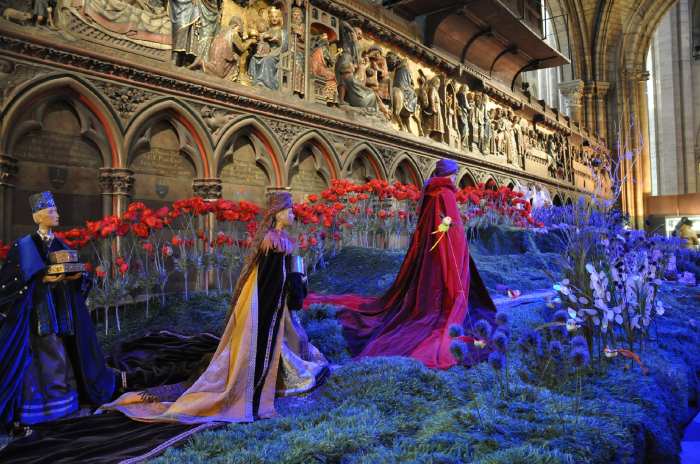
point(573, 93)
point(285, 132)
point(125, 100)
point(209, 189)
point(8, 170)
point(116, 181)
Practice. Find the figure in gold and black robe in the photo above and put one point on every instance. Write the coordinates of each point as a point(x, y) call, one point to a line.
point(262, 352)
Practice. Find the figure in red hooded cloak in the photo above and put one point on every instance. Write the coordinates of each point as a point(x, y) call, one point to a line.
point(438, 285)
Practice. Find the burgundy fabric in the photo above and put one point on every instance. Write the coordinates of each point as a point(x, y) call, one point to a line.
point(430, 293)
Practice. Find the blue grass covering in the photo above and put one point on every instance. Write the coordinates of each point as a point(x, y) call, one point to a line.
point(386, 410)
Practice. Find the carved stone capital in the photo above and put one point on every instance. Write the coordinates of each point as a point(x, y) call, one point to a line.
point(635, 74)
point(116, 181)
point(8, 170)
point(573, 93)
point(208, 189)
point(597, 89)
point(572, 89)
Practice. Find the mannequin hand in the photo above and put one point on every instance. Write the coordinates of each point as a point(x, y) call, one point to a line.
point(49, 279)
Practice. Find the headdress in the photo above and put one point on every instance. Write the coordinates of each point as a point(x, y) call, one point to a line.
point(445, 167)
point(278, 201)
point(40, 201)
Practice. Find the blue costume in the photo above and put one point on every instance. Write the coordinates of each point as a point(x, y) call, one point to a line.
point(50, 359)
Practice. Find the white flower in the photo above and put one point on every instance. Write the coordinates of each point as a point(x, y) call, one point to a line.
point(582, 300)
point(590, 311)
point(590, 268)
point(660, 308)
point(447, 221)
point(618, 319)
point(571, 325)
point(572, 313)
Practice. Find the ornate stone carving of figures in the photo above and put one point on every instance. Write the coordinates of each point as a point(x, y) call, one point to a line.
point(298, 34)
point(496, 142)
point(519, 139)
point(486, 127)
point(225, 51)
point(378, 63)
point(350, 89)
point(431, 107)
point(464, 116)
point(551, 155)
point(321, 68)
point(42, 12)
point(194, 25)
point(451, 116)
point(477, 118)
point(264, 64)
point(404, 101)
point(141, 22)
point(511, 146)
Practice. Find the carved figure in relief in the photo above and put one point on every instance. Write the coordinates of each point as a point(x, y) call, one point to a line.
point(487, 128)
point(350, 89)
point(298, 33)
point(498, 131)
point(519, 139)
point(225, 51)
point(551, 150)
point(16, 16)
point(270, 44)
point(451, 116)
point(42, 12)
point(193, 27)
point(431, 109)
point(404, 101)
point(321, 64)
point(139, 21)
point(464, 116)
point(378, 63)
point(511, 146)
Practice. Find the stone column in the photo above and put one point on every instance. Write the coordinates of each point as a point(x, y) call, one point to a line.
point(210, 190)
point(601, 110)
point(638, 140)
point(573, 94)
point(8, 173)
point(117, 188)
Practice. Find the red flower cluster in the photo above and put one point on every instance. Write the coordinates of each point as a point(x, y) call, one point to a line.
point(504, 201)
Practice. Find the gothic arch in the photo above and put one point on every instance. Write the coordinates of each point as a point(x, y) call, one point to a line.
point(414, 171)
point(466, 178)
point(557, 200)
point(194, 139)
point(268, 150)
point(325, 157)
point(98, 121)
point(369, 154)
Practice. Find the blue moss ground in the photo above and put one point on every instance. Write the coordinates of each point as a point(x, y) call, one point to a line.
point(385, 410)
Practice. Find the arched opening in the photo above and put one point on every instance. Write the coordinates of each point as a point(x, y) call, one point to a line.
point(406, 173)
point(556, 201)
point(61, 151)
point(491, 184)
point(243, 175)
point(308, 172)
point(362, 165)
point(467, 180)
point(162, 159)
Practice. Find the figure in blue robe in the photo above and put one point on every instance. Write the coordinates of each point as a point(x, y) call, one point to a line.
point(50, 359)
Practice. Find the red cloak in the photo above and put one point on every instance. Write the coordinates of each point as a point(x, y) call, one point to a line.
point(433, 290)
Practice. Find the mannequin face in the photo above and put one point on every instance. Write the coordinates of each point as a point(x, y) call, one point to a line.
point(453, 178)
point(46, 218)
point(284, 218)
